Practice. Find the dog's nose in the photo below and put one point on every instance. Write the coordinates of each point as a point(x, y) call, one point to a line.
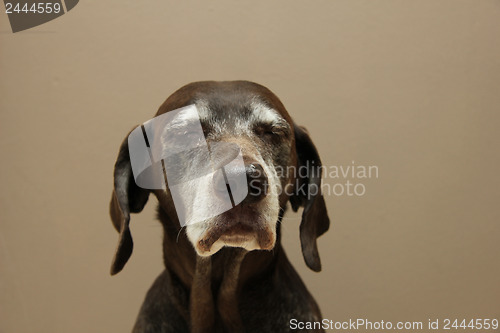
point(256, 182)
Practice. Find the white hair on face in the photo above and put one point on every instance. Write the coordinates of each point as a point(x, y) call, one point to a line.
point(204, 113)
point(186, 116)
point(203, 109)
point(263, 114)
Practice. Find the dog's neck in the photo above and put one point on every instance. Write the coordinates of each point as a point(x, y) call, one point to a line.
point(214, 282)
point(202, 299)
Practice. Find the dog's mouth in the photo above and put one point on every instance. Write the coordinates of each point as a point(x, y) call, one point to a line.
point(236, 229)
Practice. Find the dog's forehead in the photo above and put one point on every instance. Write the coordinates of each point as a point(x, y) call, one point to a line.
point(233, 104)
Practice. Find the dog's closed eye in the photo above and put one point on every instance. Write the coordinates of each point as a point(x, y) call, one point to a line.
point(272, 130)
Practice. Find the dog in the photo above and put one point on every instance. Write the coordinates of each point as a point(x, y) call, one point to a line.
point(229, 273)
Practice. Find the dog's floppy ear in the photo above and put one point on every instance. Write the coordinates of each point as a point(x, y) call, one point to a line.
point(127, 197)
point(315, 221)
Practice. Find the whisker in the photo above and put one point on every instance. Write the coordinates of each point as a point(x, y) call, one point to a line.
point(179, 233)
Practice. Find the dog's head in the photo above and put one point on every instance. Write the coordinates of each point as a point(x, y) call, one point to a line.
point(279, 163)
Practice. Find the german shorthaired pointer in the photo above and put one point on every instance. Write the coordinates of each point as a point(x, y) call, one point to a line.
point(229, 273)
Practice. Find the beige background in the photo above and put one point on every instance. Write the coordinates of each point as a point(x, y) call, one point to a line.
point(412, 87)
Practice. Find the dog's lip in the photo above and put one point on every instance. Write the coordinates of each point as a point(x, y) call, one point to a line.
point(224, 230)
point(234, 232)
